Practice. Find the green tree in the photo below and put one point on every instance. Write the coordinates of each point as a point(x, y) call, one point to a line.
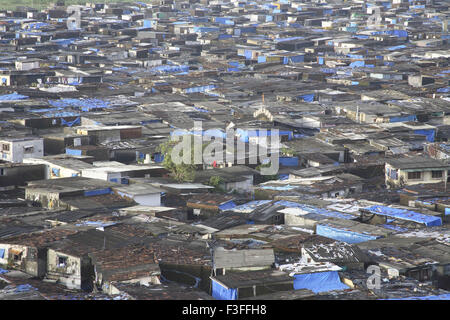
point(181, 172)
point(216, 182)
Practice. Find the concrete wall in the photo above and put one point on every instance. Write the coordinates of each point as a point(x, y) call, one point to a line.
point(26, 65)
point(46, 199)
point(17, 176)
point(64, 172)
point(403, 177)
point(18, 150)
point(298, 220)
point(152, 199)
point(30, 261)
point(102, 175)
point(69, 275)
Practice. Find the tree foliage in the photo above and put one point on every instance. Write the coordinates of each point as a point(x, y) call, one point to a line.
point(181, 172)
point(216, 182)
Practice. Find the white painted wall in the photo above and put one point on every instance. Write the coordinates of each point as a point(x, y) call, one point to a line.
point(151, 199)
point(22, 149)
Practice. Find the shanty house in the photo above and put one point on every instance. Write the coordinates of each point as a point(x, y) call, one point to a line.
point(415, 170)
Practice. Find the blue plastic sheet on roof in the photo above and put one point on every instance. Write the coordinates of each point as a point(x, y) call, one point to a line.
point(397, 33)
point(403, 214)
point(393, 227)
point(289, 161)
point(319, 281)
point(3, 271)
point(227, 205)
point(92, 193)
point(327, 70)
point(307, 97)
point(64, 42)
point(12, 97)
point(278, 188)
point(170, 69)
point(403, 118)
point(96, 224)
point(316, 210)
point(70, 123)
point(2, 253)
point(443, 90)
point(343, 235)
point(396, 47)
point(250, 205)
point(221, 293)
point(83, 104)
point(288, 39)
point(24, 288)
point(355, 56)
point(74, 152)
point(37, 25)
point(357, 64)
point(44, 110)
point(428, 133)
point(60, 114)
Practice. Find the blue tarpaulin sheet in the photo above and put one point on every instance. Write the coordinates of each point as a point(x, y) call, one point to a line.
point(227, 205)
point(343, 235)
point(2, 271)
point(316, 210)
point(74, 152)
point(70, 123)
point(428, 133)
point(250, 205)
point(307, 97)
point(12, 97)
point(83, 104)
point(443, 90)
point(279, 188)
point(288, 39)
point(24, 288)
point(97, 192)
point(327, 70)
point(158, 157)
point(170, 69)
point(2, 253)
point(96, 224)
point(357, 64)
point(221, 293)
point(289, 161)
point(392, 227)
point(319, 282)
point(403, 118)
point(396, 48)
point(403, 214)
